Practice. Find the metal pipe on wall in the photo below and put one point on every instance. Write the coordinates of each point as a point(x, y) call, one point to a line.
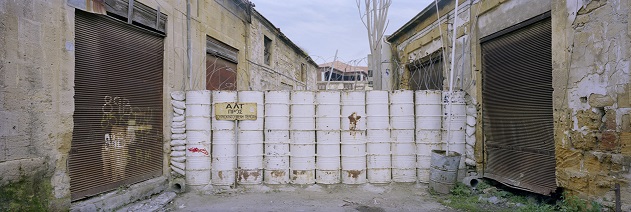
point(189, 50)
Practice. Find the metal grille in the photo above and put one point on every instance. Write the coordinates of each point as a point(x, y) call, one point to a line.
point(517, 108)
point(117, 135)
point(427, 73)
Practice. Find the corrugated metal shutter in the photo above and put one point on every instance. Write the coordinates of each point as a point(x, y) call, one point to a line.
point(220, 74)
point(117, 136)
point(221, 65)
point(517, 107)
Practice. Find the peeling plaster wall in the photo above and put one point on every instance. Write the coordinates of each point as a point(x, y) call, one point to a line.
point(591, 43)
point(476, 19)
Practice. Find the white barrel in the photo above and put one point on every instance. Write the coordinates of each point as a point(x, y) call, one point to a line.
point(426, 141)
point(277, 110)
point(198, 123)
point(328, 157)
point(403, 156)
point(197, 137)
point(224, 150)
point(276, 161)
point(377, 110)
point(223, 97)
point(250, 157)
point(353, 150)
point(198, 164)
point(198, 97)
point(302, 110)
point(328, 110)
point(402, 110)
point(457, 108)
point(428, 109)
point(378, 156)
point(423, 159)
point(302, 161)
point(252, 97)
point(198, 110)
point(454, 126)
point(353, 107)
point(198, 150)
point(457, 143)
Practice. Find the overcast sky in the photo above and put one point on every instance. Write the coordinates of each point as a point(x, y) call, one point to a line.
point(322, 26)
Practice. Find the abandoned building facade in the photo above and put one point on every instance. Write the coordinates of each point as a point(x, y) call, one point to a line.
point(342, 76)
point(549, 81)
point(548, 100)
point(84, 79)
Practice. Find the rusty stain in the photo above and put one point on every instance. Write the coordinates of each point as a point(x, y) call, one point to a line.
point(354, 173)
point(353, 119)
point(298, 173)
point(278, 173)
point(245, 174)
point(220, 175)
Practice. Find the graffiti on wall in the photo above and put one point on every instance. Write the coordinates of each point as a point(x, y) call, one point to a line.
point(124, 126)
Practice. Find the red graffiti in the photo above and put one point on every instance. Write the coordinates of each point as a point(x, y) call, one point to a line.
point(195, 149)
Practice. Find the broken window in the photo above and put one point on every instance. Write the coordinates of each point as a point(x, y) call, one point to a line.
point(268, 50)
point(303, 73)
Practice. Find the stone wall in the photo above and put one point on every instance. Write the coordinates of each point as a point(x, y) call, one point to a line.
point(591, 42)
point(36, 101)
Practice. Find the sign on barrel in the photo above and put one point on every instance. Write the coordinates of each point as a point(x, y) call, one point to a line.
point(235, 111)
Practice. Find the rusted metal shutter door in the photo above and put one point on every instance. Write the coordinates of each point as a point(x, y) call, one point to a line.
point(517, 107)
point(117, 136)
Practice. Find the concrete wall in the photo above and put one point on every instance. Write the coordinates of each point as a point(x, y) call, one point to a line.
point(591, 42)
point(37, 85)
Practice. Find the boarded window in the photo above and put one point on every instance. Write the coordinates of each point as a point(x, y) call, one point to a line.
point(221, 65)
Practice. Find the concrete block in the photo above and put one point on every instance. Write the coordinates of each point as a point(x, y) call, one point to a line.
point(9, 125)
point(583, 141)
point(609, 141)
point(599, 100)
point(29, 36)
point(572, 179)
point(625, 143)
point(567, 158)
point(13, 170)
point(626, 123)
point(115, 199)
point(624, 98)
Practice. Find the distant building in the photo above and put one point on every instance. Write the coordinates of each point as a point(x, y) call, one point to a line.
point(341, 76)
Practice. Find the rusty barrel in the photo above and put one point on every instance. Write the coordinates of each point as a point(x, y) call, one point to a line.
point(250, 141)
point(443, 171)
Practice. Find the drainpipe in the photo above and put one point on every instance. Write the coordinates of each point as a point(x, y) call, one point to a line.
point(189, 50)
point(451, 73)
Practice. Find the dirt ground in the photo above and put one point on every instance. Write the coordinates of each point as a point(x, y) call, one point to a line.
point(367, 197)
